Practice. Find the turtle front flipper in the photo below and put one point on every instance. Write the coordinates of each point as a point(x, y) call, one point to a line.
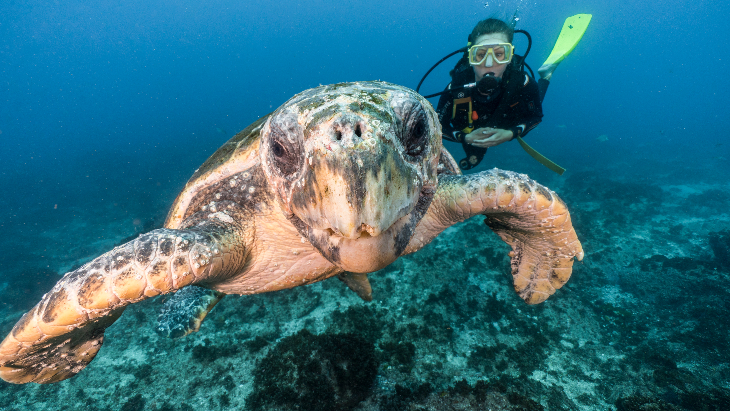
point(65, 330)
point(529, 217)
point(183, 313)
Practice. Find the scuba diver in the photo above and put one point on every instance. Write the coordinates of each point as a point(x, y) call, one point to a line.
point(491, 99)
point(504, 104)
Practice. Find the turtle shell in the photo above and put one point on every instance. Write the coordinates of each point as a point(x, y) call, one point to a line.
point(236, 155)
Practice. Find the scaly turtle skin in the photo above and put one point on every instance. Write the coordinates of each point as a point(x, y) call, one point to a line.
point(341, 180)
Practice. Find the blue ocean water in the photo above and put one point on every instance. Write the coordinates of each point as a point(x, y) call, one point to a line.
point(107, 108)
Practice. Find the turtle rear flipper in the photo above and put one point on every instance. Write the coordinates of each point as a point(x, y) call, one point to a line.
point(358, 282)
point(63, 332)
point(183, 312)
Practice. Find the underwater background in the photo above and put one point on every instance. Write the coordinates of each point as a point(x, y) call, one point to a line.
point(107, 108)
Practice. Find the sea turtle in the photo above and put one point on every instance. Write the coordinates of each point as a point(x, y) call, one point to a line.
point(341, 180)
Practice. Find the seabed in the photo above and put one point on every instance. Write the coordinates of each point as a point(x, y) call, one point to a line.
point(641, 325)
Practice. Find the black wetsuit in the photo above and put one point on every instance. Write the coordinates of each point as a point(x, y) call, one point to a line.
point(518, 108)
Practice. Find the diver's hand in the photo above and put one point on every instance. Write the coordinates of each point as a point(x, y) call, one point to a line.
point(488, 137)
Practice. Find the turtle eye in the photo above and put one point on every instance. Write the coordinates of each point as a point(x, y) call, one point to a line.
point(285, 156)
point(278, 150)
point(416, 136)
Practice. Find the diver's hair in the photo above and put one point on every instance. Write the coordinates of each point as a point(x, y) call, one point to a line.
point(490, 26)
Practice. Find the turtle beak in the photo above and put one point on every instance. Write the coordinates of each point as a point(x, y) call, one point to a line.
point(362, 185)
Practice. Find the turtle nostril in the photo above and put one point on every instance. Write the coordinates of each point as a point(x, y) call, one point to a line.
point(358, 132)
point(338, 135)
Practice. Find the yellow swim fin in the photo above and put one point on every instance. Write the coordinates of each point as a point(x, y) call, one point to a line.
point(573, 30)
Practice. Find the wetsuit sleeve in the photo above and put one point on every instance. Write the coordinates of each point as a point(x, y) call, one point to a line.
point(529, 109)
point(444, 109)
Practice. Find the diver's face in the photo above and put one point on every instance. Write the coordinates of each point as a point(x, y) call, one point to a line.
point(498, 69)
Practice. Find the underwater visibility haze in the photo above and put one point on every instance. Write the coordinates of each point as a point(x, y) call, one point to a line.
point(108, 108)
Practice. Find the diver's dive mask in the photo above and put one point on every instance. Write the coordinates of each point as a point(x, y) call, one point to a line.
point(488, 54)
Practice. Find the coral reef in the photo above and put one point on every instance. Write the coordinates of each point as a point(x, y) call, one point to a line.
point(315, 372)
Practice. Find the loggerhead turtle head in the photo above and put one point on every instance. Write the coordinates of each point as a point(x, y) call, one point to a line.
point(353, 159)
